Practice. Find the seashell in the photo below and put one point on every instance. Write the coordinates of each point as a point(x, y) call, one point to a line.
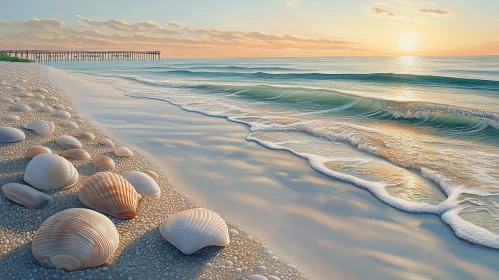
point(77, 116)
point(68, 142)
point(27, 94)
point(106, 142)
point(47, 109)
point(33, 151)
point(53, 98)
point(16, 99)
point(42, 90)
point(39, 96)
point(41, 127)
point(75, 239)
point(12, 118)
point(60, 107)
point(21, 107)
point(123, 152)
point(143, 184)
point(69, 109)
point(153, 174)
point(50, 172)
point(194, 229)
point(71, 125)
point(18, 87)
point(111, 194)
point(10, 135)
point(37, 104)
point(87, 136)
point(26, 196)
point(104, 162)
point(63, 114)
point(6, 100)
point(77, 154)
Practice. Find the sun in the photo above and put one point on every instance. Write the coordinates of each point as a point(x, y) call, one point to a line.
point(407, 42)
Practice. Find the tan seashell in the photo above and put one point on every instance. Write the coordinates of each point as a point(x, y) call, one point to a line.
point(87, 136)
point(63, 114)
point(194, 229)
point(68, 142)
point(12, 118)
point(106, 142)
point(50, 172)
point(143, 184)
point(123, 152)
point(42, 90)
point(37, 104)
point(26, 196)
point(153, 174)
point(47, 109)
point(41, 127)
point(39, 96)
point(21, 107)
point(75, 239)
point(53, 98)
point(76, 154)
point(104, 162)
point(71, 125)
point(33, 151)
point(6, 99)
point(60, 107)
point(111, 194)
point(27, 94)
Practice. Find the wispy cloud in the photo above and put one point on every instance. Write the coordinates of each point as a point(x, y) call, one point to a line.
point(175, 24)
point(292, 3)
point(380, 11)
point(435, 11)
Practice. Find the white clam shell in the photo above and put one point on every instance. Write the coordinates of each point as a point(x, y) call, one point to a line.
point(53, 98)
point(75, 239)
point(104, 162)
point(50, 172)
point(123, 152)
point(33, 151)
point(111, 194)
point(47, 109)
point(21, 107)
point(68, 142)
point(16, 99)
point(143, 184)
point(26, 196)
point(71, 125)
point(106, 142)
point(41, 127)
point(77, 154)
point(42, 90)
point(87, 136)
point(63, 114)
point(12, 118)
point(194, 229)
point(6, 99)
point(39, 96)
point(37, 104)
point(27, 94)
point(60, 107)
point(10, 135)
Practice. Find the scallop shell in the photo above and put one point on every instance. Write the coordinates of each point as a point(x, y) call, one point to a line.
point(143, 184)
point(53, 98)
point(50, 172)
point(63, 114)
point(6, 99)
point(70, 125)
point(77, 154)
point(75, 239)
point(153, 174)
point(104, 162)
point(21, 107)
point(12, 118)
point(60, 107)
point(26, 196)
point(194, 229)
point(41, 127)
point(111, 194)
point(106, 142)
point(10, 135)
point(37, 104)
point(68, 142)
point(87, 136)
point(33, 151)
point(123, 152)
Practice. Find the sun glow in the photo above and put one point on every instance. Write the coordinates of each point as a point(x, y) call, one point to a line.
point(407, 42)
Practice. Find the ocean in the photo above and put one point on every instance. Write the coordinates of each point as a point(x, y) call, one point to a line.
point(421, 134)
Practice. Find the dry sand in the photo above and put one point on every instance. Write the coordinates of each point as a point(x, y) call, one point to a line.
point(143, 253)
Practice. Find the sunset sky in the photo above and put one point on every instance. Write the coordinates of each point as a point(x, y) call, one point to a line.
point(238, 28)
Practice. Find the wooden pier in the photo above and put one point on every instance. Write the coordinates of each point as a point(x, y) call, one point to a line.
point(42, 56)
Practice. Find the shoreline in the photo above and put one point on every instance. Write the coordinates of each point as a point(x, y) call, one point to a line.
point(142, 251)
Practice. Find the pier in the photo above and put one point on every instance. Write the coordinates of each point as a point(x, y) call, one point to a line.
point(42, 56)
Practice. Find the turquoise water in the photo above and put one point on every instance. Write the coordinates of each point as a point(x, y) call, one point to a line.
point(421, 133)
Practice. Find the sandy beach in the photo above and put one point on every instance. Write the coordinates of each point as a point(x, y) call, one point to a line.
point(142, 252)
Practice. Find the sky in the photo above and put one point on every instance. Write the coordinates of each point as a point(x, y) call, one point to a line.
point(255, 28)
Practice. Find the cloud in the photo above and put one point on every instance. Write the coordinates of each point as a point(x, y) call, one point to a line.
point(175, 24)
point(292, 3)
point(380, 11)
point(435, 11)
point(80, 24)
point(35, 23)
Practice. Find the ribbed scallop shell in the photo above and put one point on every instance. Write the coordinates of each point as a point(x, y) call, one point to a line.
point(50, 172)
point(143, 184)
point(26, 196)
point(21, 107)
point(104, 162)
point(87, 136)
point(77, 154)
point(194, 229)
point(41, 127)
point(63, 114)
point(33, 151)
point(106, 142)
point(11, 135)
point(75, 239)
point(111, 194)
point(123, 152)
point(68, 142)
